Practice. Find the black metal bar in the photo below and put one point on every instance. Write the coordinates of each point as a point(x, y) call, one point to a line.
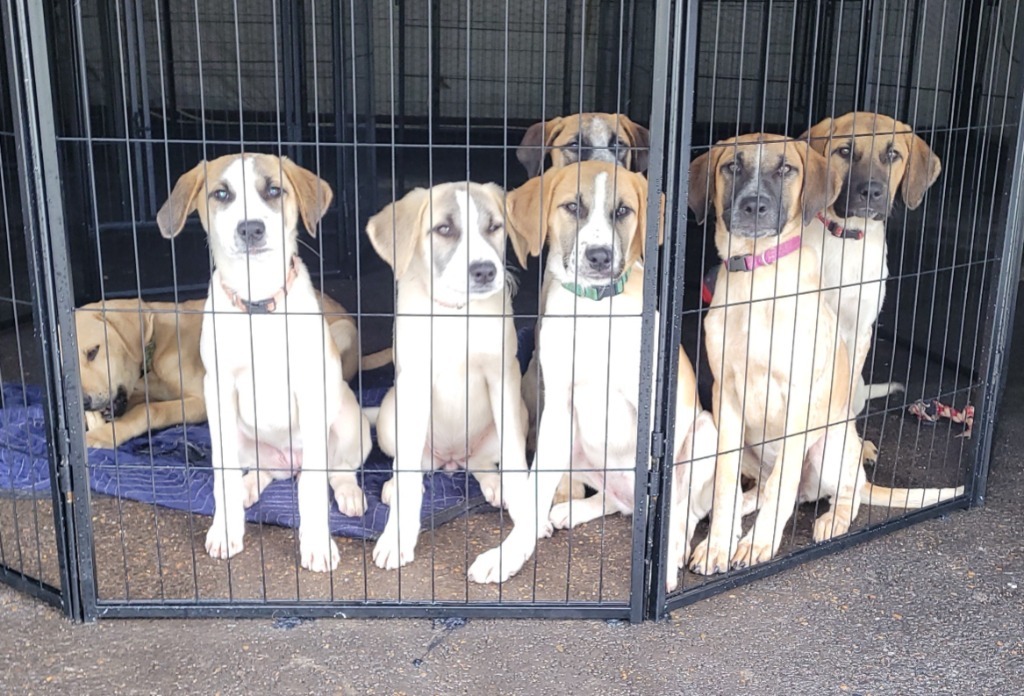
point(293, 89)
point(809, 553)
point(567, 54)
point(911, 61)
point(32, 587)
point(380, 610)
point(49, 273)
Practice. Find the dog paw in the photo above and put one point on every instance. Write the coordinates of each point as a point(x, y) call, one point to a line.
point(224, 540)
point(94, 419)
point(497, 565)
point(318, 552)
point(752, 551)
point(560, 515)
point(389, 554)
point(708, 560)
point(388, 492)
point(492, 493)
point(101, 437)
point(350, 499)
point(830, 525)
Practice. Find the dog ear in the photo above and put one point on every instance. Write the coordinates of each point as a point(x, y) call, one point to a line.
point(702, 183)
point(821, 184)
point(395, 229)
point(639, 141)
point(639, 242)
point(527, 211)
point(533, 148)
point(818, 136)
point(182, 201)
point(312, 194)
point(923, 168)
point(124, 325)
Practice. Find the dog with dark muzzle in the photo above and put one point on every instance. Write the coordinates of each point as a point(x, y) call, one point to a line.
point(877, 156)
point(780, 402)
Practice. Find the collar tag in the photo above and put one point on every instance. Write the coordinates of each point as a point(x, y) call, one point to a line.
point(838, 231)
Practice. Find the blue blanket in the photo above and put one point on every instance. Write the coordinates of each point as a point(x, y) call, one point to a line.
point(171, 467)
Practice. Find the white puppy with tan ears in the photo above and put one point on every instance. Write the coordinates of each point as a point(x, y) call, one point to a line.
point(456, 402)
point(274, 390)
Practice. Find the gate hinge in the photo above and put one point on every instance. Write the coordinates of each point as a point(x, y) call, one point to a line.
point(657, 457)
point(63, 463)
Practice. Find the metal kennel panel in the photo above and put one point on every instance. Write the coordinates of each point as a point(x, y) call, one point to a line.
point(37, 541)
point(951, 72)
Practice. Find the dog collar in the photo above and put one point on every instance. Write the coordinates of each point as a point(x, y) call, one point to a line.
point(748, 262)
point(263, 306)
point(147, 362)
point(839, 231)
point(602, 292)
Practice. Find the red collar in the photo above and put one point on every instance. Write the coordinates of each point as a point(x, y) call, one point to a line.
point(748, 262)
point(263, 306)
point(839, 231)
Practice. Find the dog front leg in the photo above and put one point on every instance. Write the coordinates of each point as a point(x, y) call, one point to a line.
point(413, 393)
point(501, 563)
point(317, 550)
point(225, 537)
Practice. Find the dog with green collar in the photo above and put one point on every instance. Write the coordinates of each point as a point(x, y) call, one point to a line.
point(592, 218)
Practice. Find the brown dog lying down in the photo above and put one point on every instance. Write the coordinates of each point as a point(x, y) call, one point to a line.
point(140, 368)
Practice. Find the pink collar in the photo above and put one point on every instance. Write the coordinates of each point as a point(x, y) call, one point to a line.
point(838, 230)
point(748, 262)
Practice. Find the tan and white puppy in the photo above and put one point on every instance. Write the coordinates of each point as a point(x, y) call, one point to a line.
point(877, 157)
point(457, 398)
point(275, 395)
point(139, 367)
point(782, 387)
point(592, 216)
point(611, 138)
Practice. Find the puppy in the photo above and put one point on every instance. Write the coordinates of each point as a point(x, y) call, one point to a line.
point(274, 388)
point(592, 136)
point(773, 346)
point(593, 217)
point(876, 156)
point(456, 402)
point(139, 366)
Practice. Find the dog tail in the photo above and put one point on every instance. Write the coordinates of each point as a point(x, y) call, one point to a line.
point(901, 498)
point(379, 359)
point(880, 389)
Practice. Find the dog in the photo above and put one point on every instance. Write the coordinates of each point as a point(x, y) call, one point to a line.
point(139, 367)
point(876, 156)
point(457, 398)
point(580, 137)
point(274, 389)
point(773, 345)
point(592, 216)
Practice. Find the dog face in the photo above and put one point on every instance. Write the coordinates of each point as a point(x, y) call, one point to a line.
point(759, 183)
point(249, 205)
point(604, 137)
point(592, 215)
point(453, 235)
point(876, 156)
point(111, 355)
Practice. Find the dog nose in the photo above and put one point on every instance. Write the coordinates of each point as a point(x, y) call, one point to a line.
point(872, 191)
point(251, 232)
point(600, 257)
point(87, 402)
point(755, 206)
point(482, 272)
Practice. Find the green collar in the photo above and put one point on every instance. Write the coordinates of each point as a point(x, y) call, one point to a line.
point(598, 293)
point(147, 364)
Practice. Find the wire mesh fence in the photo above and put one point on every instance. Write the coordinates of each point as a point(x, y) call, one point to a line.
point(551, 309)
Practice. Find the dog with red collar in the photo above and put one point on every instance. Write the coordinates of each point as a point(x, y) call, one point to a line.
point(276, 398)
point(878, 157)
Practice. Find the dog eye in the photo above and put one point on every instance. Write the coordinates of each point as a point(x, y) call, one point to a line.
point(91, 354)
point(572, 207)
point(844, 151)
point(621, 212)
point(494, 227)
point(786, 169)
point(731, 167)
point(444, 230)
point(274, 192)
point(572, 144)
point(220, 195)
point(892, 155)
